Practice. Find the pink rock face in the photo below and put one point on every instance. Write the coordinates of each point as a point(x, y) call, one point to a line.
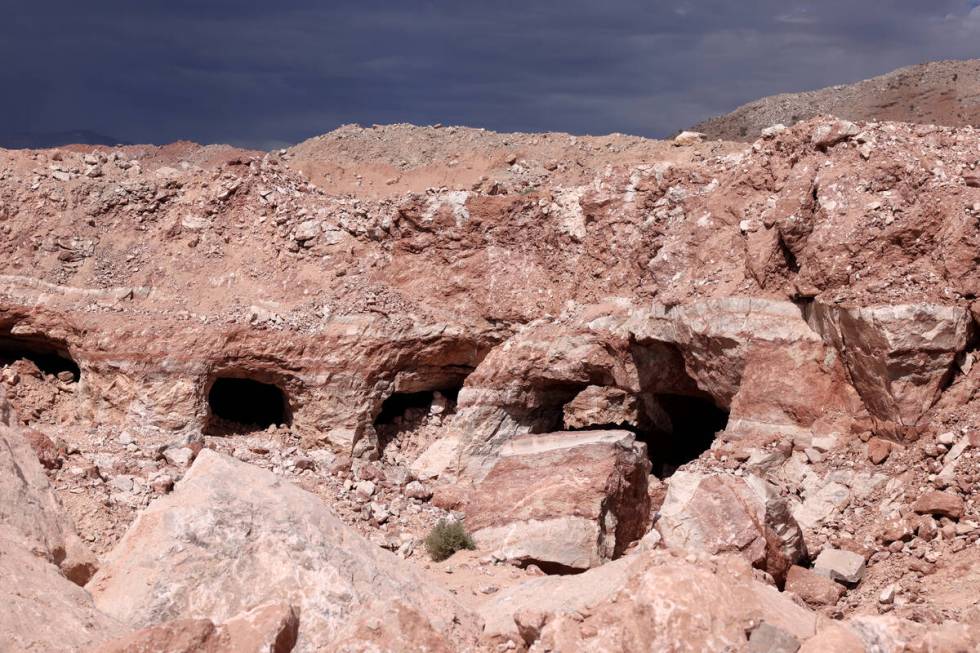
point(813, 287)
point(42, 610)
point(717, 336)
point(570, 500)
point(793, 390)
point(29, 507)
point(897, 356)
point(660, 224)
point(232, 536)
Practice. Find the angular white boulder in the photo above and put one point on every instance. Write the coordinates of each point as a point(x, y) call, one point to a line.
point(232, 536)
point(837, 564)
point(717, 514)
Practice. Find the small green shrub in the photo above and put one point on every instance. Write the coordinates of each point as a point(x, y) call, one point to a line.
point(446, 538)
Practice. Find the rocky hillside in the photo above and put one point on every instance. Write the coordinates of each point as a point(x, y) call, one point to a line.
point(936, 93)
point(240, 388)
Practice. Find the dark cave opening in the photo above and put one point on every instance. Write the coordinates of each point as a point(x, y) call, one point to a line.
point(676, 428)
point(406, 410)
point(549, 413)
point(50, 356)
point(693, 423)
point(240, 404)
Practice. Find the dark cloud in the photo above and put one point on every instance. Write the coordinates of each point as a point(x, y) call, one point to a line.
point(265, 73)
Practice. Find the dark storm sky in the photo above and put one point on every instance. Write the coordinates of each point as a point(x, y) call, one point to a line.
point(266, 73)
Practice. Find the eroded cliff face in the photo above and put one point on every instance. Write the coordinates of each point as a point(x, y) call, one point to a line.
point(162, 269)
point(540, 342)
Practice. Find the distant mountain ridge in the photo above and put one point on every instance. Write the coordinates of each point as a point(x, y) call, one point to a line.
point(940, 92)
point(41, 140)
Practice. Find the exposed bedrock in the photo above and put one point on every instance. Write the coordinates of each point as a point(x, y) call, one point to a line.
point(898, 357)
point(328, 384)
point(660, 374)
point(677, 375)
point(755, 367)
point(754, 362)
point(240, 267)
point(647, 602)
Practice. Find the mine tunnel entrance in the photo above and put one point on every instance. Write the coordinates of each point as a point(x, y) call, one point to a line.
point(237, 405)
point(407, 411)
point(677, 428)
point(50, 356)
point(691, 425)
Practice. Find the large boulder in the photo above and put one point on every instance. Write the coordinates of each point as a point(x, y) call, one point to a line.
point(654, 601)
point(44, 608)
point(598, 405)
point(716, 513)
point(232, 536)
point(567, 500)
point(523, 385)
point(897, 356)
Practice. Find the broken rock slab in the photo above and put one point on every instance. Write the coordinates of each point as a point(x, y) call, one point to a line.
point(840, 565)
point(717, 337)
point(568, 499)
point(232, 536)
point(793, 390)
point(815, 589)
point(942, 504)
point(601, 405)
point(897, 355)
